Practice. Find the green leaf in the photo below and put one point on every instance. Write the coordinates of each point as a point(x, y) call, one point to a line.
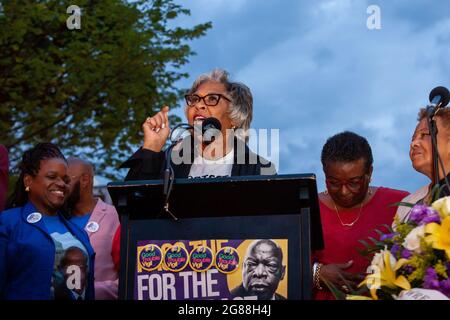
point(404, 204)
point(380, 233)
point(364, 243)
point(374, 241)
point(338, 294)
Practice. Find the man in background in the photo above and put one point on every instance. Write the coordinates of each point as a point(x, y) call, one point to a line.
point(74, 258)
point(100, 221)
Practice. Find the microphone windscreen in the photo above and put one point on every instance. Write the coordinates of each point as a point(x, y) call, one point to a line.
point(210, 128)
point(440, 91)
point(211, 123)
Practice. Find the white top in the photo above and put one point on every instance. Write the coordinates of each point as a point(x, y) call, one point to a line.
point(204, 168)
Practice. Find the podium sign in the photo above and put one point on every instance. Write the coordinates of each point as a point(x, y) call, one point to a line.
point(240, 238)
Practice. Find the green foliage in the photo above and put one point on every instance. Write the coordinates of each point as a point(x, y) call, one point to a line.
point(375, 245)
point(419, 266)
point(338, 294)
point(441, 269)
point(88, 90)
point(428, 257)
point(404, 229)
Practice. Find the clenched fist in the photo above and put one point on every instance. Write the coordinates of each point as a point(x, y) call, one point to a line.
point(156, 130)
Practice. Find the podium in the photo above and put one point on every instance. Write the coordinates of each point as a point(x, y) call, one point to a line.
point(240, 238)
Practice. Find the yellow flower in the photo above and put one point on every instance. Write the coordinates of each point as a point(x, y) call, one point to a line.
point(385, 276)
point(442, 206)
point(439, 235)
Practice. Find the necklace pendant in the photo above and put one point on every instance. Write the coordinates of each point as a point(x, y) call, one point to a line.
point(348, 224)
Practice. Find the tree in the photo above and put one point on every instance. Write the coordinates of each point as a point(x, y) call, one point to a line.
point(88, 90)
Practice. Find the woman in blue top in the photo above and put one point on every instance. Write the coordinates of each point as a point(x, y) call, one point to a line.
point(43, 255)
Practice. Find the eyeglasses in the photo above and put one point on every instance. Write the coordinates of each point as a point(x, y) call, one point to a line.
point(211, 100)
point(354, 184)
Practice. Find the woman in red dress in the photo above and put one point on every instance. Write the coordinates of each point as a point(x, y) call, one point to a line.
point(350, 210)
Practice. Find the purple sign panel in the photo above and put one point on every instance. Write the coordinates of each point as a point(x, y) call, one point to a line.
point(219, 269)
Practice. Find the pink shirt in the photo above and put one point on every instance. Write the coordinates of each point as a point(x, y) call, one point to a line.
point(101, 228)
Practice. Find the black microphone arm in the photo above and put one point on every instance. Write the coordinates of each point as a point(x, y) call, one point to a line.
point(439, 98)
point(169, 174)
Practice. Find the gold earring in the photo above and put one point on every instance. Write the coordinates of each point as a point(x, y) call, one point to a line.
point(27, 189)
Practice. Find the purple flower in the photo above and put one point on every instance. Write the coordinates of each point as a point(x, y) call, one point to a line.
point(408, 269)
point(431, 280)
point(387, 236)
point(395, 249)
point(421, 214)
point(406, 254)
point(445, 287)
point(432, 216)
point(418, 212)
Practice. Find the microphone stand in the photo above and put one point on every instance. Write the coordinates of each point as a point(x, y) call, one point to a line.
point(431, 113)
point(169, 175)
point(169, 178)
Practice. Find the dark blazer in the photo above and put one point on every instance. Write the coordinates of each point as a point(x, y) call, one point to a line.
point(27, 255)
point(145, 164)
point(241, 292)
point(3, 176)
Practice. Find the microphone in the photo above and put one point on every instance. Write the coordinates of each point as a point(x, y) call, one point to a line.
point(209, 127)
point(439, 97)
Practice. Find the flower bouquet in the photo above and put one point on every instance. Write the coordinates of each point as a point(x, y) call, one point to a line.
point(411, 261)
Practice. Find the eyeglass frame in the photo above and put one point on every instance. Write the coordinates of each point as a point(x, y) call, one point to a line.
point(360, 183)
point(203, 99)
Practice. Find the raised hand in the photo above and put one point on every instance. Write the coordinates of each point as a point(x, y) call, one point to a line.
point(156, 130)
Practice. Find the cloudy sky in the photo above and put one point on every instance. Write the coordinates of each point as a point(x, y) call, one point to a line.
point(315, 69)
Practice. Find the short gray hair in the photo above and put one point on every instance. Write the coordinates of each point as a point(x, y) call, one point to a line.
point(241, 105)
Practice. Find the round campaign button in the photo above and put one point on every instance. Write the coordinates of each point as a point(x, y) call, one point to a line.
point(201, 259)
point(150, 257)
point(176, 258)
point(92, 226)
point(34, 217)
point(227, 260)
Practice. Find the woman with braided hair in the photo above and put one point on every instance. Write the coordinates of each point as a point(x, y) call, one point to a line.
point(36, 241)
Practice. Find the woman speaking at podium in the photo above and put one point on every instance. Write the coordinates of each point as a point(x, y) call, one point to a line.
point(211, 96)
